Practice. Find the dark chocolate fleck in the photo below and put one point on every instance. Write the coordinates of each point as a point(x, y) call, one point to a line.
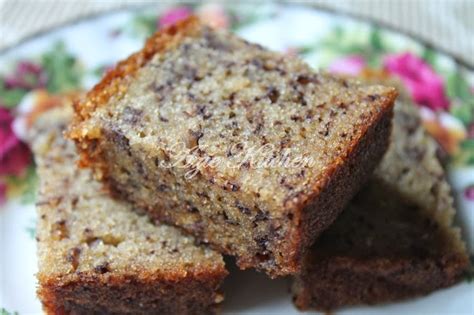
point(202, 111)
point(301, 174)
point(194, 136)
point(262, 257)
point(416, 154)
point(373, 97)
point(234, 187)
point(73, 257)
point(228, 220)
point(163, 187)
point(215, 43)
point(296, 118)
point(258, 128)
point(60, 229)
point(262, 215)
point(284, 143)
point(102, 268)
point(163, 119)
point(191, 208)
point(120, 140)
point(132, 115)
point(203, 195)
point(262, 243)
point(273, 94)
point(245, 165)
point(229, 186)
point(305, 79)
point(257, 62)
point(242, 209)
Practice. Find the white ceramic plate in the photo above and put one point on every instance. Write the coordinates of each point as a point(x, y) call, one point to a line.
point(91, 45)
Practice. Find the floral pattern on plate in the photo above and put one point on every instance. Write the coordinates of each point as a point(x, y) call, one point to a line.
point(74, 57)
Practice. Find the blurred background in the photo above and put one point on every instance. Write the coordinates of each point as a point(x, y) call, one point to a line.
point(52, 68)
point(446, 24)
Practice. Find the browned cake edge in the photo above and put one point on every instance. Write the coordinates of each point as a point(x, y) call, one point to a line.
point(114, 84)
point(340, 183)
point(196, 291)
point(341, 281)
point(336, 187)
point(95, 293)
point(332, 282)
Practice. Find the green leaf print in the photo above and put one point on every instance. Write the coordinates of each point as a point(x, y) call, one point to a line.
point(458, 87)
point(31, 228)
point(239, 21)
point(429, 55)
point(5, 312)
point(341, 43)
point(143, 25)
point(25, 185)
point(465, 156)
point(464, 112)
point(376, 41)
point(470, 272)
point(63, 70)
point(10, 97)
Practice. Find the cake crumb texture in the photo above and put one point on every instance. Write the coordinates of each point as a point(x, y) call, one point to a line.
point(98, 256)
point(196, 94)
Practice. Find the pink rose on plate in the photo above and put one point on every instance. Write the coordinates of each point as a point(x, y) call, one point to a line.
point(351, 65)
point(3, 193)
point(469, 192)
point(173, 16)
point(214, 15)
point(425, 86)
point(27, 76)
point(14, 154)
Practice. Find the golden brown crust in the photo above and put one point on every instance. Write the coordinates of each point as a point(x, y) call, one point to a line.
point(113, 82)
point(335, 282)
point(44, 101)
point(186, 293)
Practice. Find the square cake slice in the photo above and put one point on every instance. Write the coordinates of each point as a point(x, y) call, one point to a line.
point(97, 256)
point(396, 238)
point(247, 149)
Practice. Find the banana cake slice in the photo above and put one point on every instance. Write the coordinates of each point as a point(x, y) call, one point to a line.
point(247, 149)
point(97, 256)
point(396, 238)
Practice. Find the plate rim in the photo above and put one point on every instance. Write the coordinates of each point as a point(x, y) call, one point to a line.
point(459, 61)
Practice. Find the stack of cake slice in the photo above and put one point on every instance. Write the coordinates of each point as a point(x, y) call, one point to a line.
point(174, 135)
point(97, 256)
point(396, 238)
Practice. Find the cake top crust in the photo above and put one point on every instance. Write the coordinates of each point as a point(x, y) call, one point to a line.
point(250, 119)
